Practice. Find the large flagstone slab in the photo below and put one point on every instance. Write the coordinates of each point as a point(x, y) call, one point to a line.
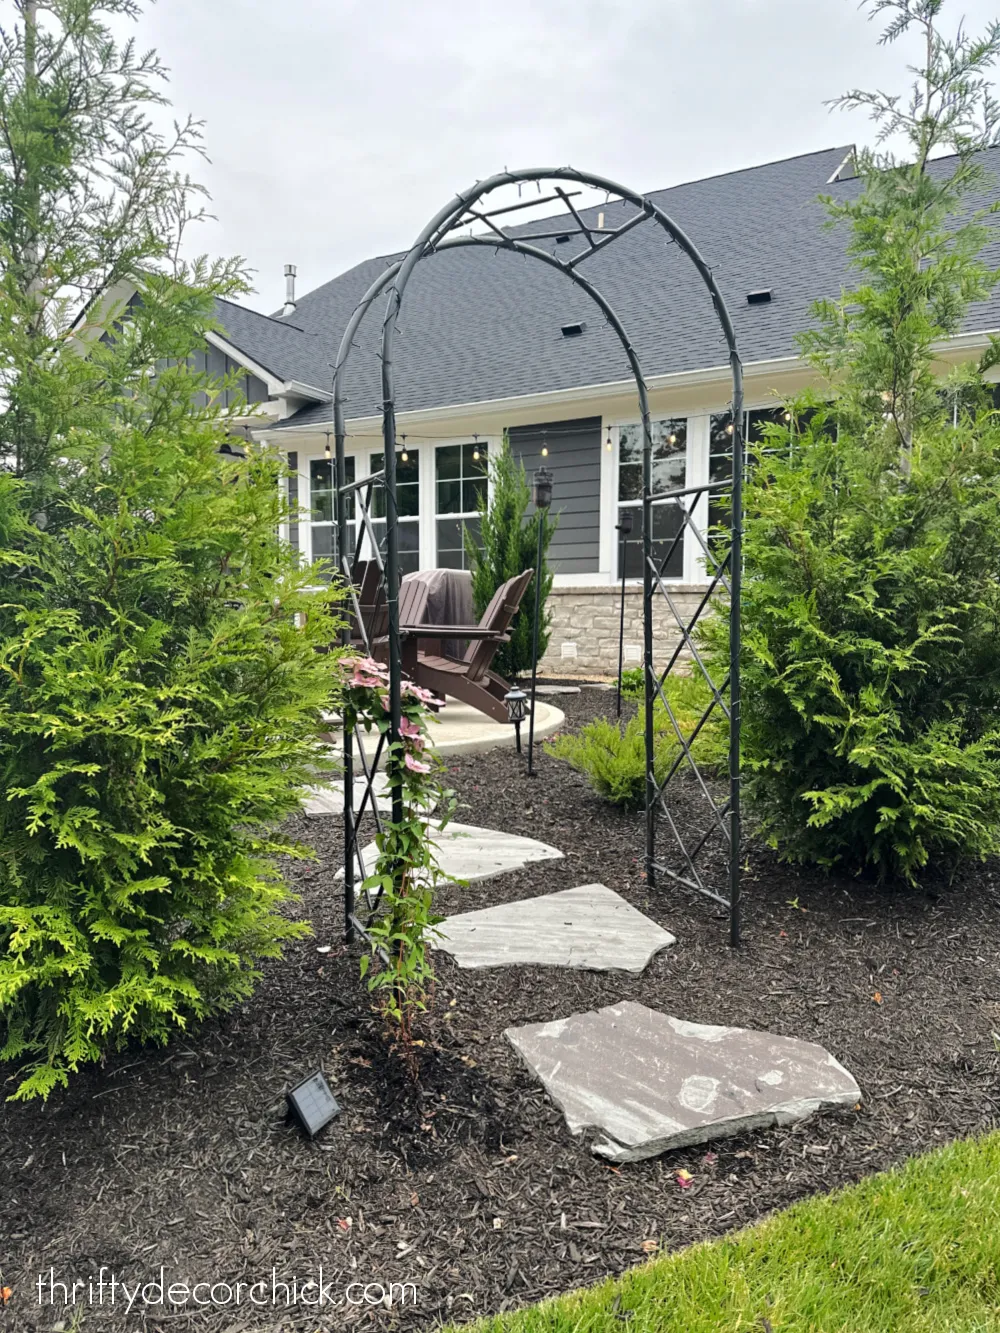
point(588, 927)
point(328, 798)
point(649, 1082)
point(470, 853)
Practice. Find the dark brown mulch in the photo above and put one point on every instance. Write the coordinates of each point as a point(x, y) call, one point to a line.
point(470, 1186)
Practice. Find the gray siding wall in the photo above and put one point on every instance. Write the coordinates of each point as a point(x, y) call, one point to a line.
point(574, 459)
point(293, 495)
point(216, 363)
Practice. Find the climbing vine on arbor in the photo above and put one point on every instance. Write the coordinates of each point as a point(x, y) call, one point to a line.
point(407, 871)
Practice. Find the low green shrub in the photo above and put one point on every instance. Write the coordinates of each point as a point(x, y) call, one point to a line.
point(632, 682)
point(614, 757)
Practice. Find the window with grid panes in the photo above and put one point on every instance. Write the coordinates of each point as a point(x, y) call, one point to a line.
point(407, 508)
point(461, 483)
point(669, 440)
point(322, 515)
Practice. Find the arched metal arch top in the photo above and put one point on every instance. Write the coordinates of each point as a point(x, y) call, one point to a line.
point(437, 236)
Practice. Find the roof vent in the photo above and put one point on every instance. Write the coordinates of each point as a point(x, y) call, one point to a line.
point(289, 305)
point(573, 330)
point(762, 297)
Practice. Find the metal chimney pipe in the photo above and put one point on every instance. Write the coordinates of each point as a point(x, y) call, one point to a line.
point(290, 272)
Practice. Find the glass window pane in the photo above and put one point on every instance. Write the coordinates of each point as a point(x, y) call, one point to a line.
point(667, 524)
point(408, 501)
point(630, 443)
point(322, 543)
point(449, 462)
point(474, 528)
point(473, 490)
point(479, 466)
point(668, 437)
point(321, 474)
point(449, 497)
point(449, 534)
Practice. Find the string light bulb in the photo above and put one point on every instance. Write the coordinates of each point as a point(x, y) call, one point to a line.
point(673, 439)
point(475, 448)
point(788, 416)
point(404, 457)
point(608, 445)
point(328, 444)
point(729, 429)
point(545, 447)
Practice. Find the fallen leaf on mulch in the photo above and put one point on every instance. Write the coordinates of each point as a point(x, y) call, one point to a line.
point(684, 1178)
point(877, 997)
point(345, 1223)
point(649, 1246)
point(5, 1295)
point(710, 1158)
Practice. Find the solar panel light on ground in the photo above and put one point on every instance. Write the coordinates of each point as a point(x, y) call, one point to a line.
point(312, 1104)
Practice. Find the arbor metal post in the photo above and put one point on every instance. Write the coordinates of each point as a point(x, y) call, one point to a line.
point(343, 546)
point(735, 652)
point(624, 526)
point(542, 489)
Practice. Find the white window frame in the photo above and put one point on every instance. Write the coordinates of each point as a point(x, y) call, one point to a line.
point(492, 444)
point(695, 473)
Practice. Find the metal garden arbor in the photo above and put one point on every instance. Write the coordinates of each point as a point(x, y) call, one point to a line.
point(684, 861)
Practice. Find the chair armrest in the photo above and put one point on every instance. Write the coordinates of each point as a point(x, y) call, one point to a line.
point(451, 632)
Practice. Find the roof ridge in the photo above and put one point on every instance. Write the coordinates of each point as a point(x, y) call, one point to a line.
point(259, 314)
point(392, 255)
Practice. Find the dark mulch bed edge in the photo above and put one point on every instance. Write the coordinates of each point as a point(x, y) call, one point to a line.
point(470, 1185)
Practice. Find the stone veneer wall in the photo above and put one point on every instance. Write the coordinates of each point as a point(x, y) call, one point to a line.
point(588, 618)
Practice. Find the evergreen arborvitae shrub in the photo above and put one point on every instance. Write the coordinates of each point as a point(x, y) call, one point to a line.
point(160, 687)
point(871, 634)
point(871, 610)
point(158, 715)
point(509, 546)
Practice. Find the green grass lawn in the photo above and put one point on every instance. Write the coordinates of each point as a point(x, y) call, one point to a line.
point(913, 1250)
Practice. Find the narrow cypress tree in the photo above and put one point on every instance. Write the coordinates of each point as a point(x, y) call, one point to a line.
point(509, 545)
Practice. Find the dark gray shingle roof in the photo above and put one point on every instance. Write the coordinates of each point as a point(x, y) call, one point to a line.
point(480, 325)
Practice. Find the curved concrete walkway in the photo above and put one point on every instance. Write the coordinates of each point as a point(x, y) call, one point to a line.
point(460, 729)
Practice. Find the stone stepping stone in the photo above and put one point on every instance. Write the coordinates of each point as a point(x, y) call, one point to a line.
point(587, 927)
point(470, 853)
point(649, 1082)
point(328, 799)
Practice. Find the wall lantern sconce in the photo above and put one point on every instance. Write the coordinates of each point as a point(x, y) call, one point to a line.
point(542, 488)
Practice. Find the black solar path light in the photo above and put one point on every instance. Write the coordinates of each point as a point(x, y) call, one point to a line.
point(516, 702)
point(313, 1104)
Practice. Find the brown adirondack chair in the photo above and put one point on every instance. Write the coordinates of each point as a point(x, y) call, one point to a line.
point(469, 678)
point(367, 578)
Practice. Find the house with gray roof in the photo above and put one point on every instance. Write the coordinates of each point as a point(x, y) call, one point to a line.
point(492, 343)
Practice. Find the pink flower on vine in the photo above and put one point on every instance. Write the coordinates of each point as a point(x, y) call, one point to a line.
point(418, 692)
point(415, 765)
point(409, 729)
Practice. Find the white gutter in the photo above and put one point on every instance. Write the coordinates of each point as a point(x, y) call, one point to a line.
point(682, 379)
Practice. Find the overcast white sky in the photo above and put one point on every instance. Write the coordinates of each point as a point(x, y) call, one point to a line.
point(337, 127)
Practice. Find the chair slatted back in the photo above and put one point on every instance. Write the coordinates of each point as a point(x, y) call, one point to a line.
point(367, 579)
point(497, 617)
point(413, 597)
